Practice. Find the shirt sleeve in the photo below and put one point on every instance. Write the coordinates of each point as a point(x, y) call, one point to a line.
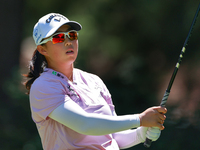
point(127, 138)
point(45, 97)
point(92, 123)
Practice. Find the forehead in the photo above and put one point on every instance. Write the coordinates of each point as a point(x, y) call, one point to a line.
point(64, 28)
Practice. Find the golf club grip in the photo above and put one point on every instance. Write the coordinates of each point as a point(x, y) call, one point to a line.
point(147, 143)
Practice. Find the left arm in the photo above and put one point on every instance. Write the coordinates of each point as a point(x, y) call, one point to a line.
point(129, 138)
point(132, 137)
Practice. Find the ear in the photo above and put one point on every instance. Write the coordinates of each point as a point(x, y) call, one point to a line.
point(42, 50)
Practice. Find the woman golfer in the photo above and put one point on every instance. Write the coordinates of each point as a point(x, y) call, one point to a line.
point(73, 109)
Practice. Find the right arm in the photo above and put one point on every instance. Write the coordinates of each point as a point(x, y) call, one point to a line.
point(73, 116)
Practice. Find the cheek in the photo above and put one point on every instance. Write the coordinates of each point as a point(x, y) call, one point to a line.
point(76, 45)
point(53, 52)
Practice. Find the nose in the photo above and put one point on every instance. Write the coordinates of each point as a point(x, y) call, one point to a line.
point(67, 41)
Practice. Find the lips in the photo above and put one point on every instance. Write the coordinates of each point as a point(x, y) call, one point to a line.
point(70, 51)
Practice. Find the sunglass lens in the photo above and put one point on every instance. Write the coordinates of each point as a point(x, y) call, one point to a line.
point(59, 38)
point(73, 35)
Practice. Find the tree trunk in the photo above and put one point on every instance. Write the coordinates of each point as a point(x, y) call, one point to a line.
point(10, 37)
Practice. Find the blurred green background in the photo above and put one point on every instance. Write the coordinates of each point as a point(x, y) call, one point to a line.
point(132, 45)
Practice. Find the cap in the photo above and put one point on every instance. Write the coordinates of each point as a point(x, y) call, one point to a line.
point(48, 24)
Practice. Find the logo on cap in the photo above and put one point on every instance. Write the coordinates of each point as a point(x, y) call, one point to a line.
point(36, 33)
point(56, 19)
point(37, 37)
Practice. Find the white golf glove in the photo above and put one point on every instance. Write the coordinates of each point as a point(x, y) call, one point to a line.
point(152, 133)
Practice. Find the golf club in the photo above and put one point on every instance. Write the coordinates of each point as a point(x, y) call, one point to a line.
point(167, 92)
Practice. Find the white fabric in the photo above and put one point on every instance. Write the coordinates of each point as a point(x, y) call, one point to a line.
point(152, 133)
point(90, 123)
point(129, 138)
point(126, 139)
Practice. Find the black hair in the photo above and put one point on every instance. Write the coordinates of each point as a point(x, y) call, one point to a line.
point(37, 65)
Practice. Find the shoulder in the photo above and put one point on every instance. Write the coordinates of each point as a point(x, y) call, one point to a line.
point(46, 83)
point(87, 76)
point(42, 81)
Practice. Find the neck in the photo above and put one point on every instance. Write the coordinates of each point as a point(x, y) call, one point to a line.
point(66, 70)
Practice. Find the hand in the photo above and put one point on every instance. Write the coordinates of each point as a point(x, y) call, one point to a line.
point(153, 133)
point(153, 117)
